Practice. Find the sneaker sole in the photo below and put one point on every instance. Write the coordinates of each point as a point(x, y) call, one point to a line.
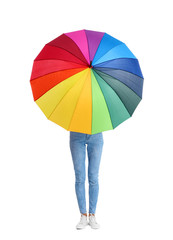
point(93, 227)
point(80, 228)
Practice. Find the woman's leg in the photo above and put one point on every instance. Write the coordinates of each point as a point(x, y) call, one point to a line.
point(94, 148)
point(78, 151)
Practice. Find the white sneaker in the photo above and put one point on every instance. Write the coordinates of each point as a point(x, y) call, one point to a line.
point(93, 223)
point(83, 222)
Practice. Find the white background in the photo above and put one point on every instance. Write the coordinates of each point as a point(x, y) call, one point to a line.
point(37, 194)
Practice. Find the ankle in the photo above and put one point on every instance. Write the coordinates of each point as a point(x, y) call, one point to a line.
point(85, 214)
point(91, 214)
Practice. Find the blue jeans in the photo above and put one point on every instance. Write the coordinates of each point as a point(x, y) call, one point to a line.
point(78, 142)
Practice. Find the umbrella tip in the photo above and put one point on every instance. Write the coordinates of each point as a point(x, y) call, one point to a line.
point(90, 66)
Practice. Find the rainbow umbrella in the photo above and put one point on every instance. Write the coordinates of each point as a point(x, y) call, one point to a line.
point(86, 81)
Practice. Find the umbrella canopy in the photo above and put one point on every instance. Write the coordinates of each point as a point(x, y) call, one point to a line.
point(86, 81)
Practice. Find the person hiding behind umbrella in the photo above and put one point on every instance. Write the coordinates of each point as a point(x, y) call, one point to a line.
point(79, 142)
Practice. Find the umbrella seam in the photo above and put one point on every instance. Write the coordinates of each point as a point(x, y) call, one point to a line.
point(78, 46)
point(56, 72)
point(72, 53)
point(120, 80)
point(64, 50)
point(127, 48)
point(63, 97)
point(107, 51)
point(117, 95)
point(87, 43)
point(31, 82)
point(105, 101)
point(77, 102)
point(119, 68)
point(54, 59)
